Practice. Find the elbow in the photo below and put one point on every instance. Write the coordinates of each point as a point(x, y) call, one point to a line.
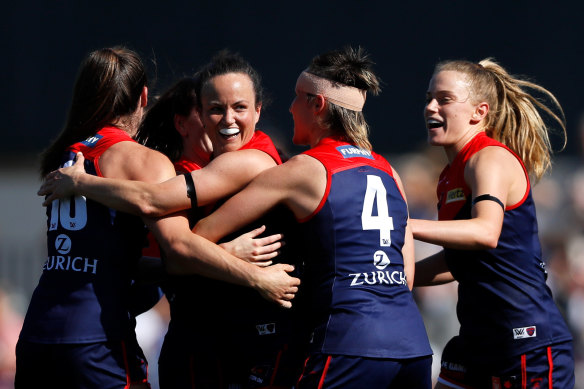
point(148, 210)
point(175, 258)
point(488, 241)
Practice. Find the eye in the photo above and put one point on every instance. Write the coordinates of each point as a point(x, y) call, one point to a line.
point(444, 100)
point(215, 110)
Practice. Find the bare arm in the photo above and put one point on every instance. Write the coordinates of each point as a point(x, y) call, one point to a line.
point(433, 271)
point(186, 252)
point(408, 247)
point(224, 176)
point(492, 171)
point(299, 184)
point(135, 196)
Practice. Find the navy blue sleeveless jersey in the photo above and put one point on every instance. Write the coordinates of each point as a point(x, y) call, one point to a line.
point(360, 302)
point(82, 295)
point(504, 306)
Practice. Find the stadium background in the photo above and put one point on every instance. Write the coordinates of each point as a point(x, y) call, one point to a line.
point(43, 43)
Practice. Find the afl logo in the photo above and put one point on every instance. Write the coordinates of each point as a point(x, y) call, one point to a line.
point(63, 244)
point(380, 260)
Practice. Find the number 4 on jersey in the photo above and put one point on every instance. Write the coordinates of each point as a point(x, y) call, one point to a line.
point(380, 220)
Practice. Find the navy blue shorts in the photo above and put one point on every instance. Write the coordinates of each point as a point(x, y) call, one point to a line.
point(103, 365)
point(341, 371)
point(542, 368)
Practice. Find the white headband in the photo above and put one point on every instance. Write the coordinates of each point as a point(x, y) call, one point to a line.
point(342, 95)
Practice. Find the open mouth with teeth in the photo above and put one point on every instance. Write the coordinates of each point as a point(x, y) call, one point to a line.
point(229, 132)
point(433, 123)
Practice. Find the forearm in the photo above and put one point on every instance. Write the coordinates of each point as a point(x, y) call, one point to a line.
point(188, 253)
point(135, 197)
point(122, 195)
point(432, 271)
point(409, 257)
point(469, 234)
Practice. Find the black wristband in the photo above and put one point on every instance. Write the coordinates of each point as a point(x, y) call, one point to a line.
point(488, 197)
point(191, 192)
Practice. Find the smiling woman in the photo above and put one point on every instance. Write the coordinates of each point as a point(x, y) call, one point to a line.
point(229, 110)
point(495, 139)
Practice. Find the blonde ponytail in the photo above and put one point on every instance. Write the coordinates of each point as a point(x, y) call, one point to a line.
point(514, 117)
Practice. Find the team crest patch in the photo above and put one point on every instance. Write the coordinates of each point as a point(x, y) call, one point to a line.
point(348, 151)
point(92, 140)
point(455, 195)
point(524, 332)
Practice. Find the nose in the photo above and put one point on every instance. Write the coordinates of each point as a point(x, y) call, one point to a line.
point(431, 106)
point(229, 117)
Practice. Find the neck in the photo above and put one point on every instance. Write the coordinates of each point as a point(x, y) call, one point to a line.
point(128, 123)
point(453, 150)
point(318, 135)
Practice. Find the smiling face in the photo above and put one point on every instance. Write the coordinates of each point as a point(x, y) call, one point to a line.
point(229, 111)
point(451, 117)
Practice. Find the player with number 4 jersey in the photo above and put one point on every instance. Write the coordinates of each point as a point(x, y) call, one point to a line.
point(359, 263)
point(357, 233)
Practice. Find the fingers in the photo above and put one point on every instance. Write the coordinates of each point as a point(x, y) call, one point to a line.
point(47, 182)
point(288, 269)
point(286, 300)
point(265, 257)
point(44, 189)
point(269, 239)
point(269, 251)
point(258, 231)
point(49, 200)
point(80, 159)
point(262, 263)
point(285, 304)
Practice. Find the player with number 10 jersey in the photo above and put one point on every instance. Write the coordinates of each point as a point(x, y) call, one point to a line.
point(92, 251)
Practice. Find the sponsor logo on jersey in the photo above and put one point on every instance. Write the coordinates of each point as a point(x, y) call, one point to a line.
point(455, 195)
point(380, 277)
point(63, 244)
point(524, 332)
point(92, 140)
point(380, 259)
point(266, 329)
point(348, 151)
point(69, 263)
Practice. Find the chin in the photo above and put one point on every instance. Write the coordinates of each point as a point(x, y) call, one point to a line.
point(434, 140)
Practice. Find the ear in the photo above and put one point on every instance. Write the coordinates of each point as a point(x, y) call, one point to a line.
point(258, 110)
point(179, 124)
point(144, 97)
point(319, 104)
point(480, 112)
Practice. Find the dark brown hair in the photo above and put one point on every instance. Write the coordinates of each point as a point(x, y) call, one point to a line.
point(108, 86)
